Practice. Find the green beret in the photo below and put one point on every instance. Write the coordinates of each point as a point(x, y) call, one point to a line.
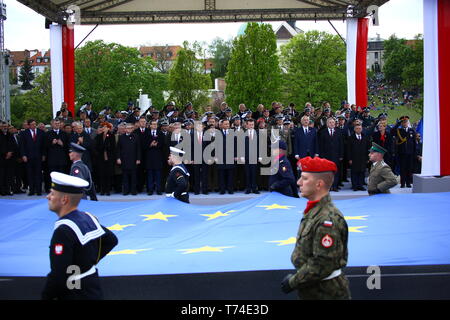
point(377, 148)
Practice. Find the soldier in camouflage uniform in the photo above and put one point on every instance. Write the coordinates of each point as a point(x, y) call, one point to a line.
point(320, 252)
point(381, 178)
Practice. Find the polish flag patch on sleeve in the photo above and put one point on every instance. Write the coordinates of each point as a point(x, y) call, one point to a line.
point(328, 223)
point(59, 249)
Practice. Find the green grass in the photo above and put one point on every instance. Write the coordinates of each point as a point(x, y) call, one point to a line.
point(397, 112)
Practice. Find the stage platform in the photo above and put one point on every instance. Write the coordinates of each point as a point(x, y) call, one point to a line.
point(240, 250)
point(396, 283)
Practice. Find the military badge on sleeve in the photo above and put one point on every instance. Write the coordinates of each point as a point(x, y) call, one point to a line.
point(327, 241)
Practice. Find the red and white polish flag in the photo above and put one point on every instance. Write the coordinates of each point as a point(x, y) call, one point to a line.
point(357, 33)
point(436, 131)
point(62, 59)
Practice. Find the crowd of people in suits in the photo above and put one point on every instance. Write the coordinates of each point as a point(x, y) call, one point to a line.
point(127, 151)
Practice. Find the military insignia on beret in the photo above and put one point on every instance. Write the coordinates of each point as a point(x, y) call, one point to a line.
point(327, 241)
point(59, 249)
point(284, 169)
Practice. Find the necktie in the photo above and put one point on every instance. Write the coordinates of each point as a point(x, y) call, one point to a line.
point(306, 130)
point(34, 135)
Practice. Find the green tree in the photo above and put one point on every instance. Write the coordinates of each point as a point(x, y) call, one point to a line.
point(397, 55)
point(254, 74)
point(412, 74)
point(187, 80)
point(26, 75)
point(109, 74)
point(220, 50)
point(315, 68)
point(35, 103)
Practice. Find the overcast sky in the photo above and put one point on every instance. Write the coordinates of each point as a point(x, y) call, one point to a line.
point(24, 28)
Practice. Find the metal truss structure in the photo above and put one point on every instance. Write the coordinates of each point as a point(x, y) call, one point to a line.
point(197, 11)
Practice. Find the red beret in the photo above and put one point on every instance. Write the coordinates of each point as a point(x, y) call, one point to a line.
point(316, 164)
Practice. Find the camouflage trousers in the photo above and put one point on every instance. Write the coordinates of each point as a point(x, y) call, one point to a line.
point(333, 289)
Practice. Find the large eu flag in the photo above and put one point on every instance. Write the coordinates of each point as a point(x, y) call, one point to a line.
point(171, 237)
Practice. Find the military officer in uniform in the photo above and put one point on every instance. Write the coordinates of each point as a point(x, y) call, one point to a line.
point(282, 179)
point(406, 149)
point(320, 252)
point(78, 243)
point(81, 170)
point(381, 178)
point(177, 185)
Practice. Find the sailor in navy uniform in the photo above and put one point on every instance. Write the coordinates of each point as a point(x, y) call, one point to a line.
point(177, 184)
point(78, 243)
point(81, 170)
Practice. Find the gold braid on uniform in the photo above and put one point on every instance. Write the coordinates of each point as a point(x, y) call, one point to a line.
point(400, 140)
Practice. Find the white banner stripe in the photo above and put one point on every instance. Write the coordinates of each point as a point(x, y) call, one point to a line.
point(56, 62)
point(431, 127)
point(352, 29)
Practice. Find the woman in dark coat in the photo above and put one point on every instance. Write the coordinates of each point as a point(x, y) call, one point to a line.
point(384, 139)
point(105, 150)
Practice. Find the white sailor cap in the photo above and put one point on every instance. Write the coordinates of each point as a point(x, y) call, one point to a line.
point(177, 151)
point(67, 184)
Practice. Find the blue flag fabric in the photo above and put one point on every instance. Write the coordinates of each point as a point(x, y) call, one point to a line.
point(171, 237)
point(419, 128)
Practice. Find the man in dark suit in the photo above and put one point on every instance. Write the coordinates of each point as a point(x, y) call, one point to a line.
point(56, 149)
point(358, 144)
point(251, 154)
point(153, 157)
point(32, 151)
point(128, 157)
point(144, 138)
point(225, 165)
point(163, 129)
point(91, 114)
point(331, 147)
point(80, 137)
point(305, 142)
point(18, 170)
point(200, 167)
point(6, 160)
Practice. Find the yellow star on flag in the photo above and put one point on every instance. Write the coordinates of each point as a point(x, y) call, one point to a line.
point(276, 206)
point(355, 217)
point(127, 251)
point(217, 215)
point(204, 249)
point(120, 227)
point(290, 240)
point(356, 229)
point(157, 216)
